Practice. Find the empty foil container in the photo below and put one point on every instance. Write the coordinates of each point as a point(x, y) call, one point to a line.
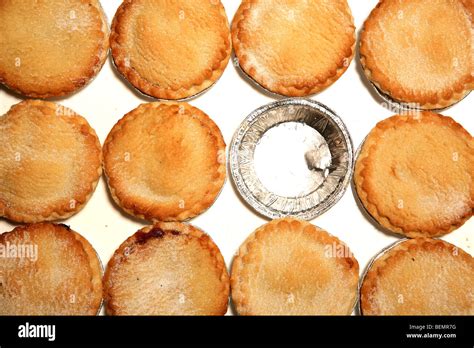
point(293, 157)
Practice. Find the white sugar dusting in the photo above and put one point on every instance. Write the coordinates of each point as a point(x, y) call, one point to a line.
point(292, 159)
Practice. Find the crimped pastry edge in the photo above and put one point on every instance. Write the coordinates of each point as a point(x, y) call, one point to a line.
point(238, 291)
point(151, 89)
point(383, 220)
point(368, 282)
point(424, 103)
point(290, 91)
point(129, 205)
point(94, 69)
point(182, 228)
point(53, 214)
point(95, 264)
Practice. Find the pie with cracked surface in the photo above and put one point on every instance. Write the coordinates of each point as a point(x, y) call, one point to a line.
point(50, 162)
point(171, 49)
point(414, 174)
point(48, 269)
point(51, 48)
point(169, 268)
point(414, 61)
point(420, 276)
point(165, 161)
point(291, 267)
point(293, 47)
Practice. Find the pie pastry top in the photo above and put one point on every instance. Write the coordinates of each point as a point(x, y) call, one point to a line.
point(50, 162)
point(414, 61)
point(291, 267)
point(293, 47)
point(48, 269)
point(420, 277)
point(165, 161)
point(469, 4)
point(414, 175)
point(169, 268)
point(51, 48)
point(171, 49)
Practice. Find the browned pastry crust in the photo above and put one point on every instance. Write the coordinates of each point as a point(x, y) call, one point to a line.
point(171, 49)
point(64, 277)
point(414, 175)
point(165, 161)
point(414, 61)
point(291, 267)
point(169, 268)
point(469, 5)
point(420, 277)
point(292, 47)
point(50, 162)
point(51, 48)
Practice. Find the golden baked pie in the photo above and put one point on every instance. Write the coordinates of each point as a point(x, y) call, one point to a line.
point(291, 267)
point(414, 175)
point(171, 49)
point(169, 268)
point(51, 48)
point(420, 276)
point(420, 52)
point(165, 161)
point(293, 47)
point(48, 269)
point(50, 162)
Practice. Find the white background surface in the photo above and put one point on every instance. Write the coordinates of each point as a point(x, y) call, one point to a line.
point(229, 221)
